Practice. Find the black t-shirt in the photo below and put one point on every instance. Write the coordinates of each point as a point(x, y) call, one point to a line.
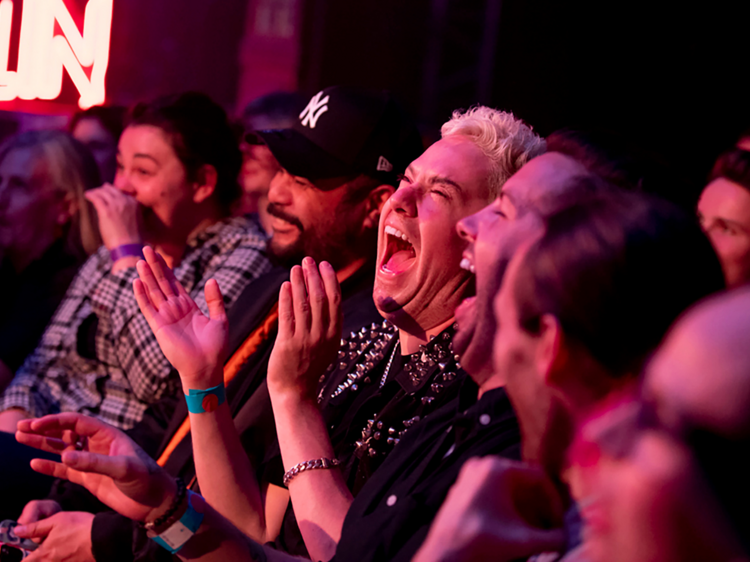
point(391, 515)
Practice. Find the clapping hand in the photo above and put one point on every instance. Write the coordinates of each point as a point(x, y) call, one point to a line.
point(102, 459)
point(309, 330)
point(194, 344)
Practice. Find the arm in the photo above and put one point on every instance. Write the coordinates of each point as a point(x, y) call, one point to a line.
point(498, 510)
point(197, 347)
point(121, 475)
point(307, 342)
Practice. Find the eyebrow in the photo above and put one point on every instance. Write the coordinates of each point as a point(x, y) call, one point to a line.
point(442, 180)
point(141, 155)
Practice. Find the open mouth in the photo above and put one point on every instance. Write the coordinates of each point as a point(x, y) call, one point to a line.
point(399, 252)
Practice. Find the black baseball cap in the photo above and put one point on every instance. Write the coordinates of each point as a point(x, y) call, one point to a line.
point(346, 131)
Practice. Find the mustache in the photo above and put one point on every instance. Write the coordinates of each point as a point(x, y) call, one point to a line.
point(276, 211)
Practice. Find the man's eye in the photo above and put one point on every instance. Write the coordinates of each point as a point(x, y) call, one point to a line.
point(403, 177)
point(440, 193)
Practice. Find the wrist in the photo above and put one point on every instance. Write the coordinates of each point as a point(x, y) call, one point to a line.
point(126, 250)
point(171, 490)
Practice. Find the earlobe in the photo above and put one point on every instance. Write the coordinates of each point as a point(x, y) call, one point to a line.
point(375, 201)
point(205, 184)
point(552, 353)
point(68, 208)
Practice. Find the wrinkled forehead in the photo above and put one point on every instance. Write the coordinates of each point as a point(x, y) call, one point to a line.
point(540, 177)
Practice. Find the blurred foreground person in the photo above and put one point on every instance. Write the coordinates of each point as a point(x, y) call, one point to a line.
point(667, 469)
point(576, 320)
point(99, 128)
point(277, 110)
point(724, 211)
point(176, 180)
point(47, 230)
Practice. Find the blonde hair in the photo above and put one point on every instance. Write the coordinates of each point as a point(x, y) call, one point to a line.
point(70, 169)
point(507, 141)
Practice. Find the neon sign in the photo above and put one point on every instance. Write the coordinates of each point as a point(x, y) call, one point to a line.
point(42, 54)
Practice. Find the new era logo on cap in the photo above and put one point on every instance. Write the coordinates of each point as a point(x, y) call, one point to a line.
point(317, 107)
point(384, 165)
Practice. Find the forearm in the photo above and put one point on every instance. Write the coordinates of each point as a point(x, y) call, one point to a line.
point(217, 540)
point(226, 477)
point(320, 497)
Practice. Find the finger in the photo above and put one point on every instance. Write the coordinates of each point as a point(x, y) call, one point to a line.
point(300, 302)
point(286, 312)
point(148, 276)
point(37, 510)
point(38, 529)
point(317, 298)
point(51, 468)
point(333, 293)
point(215, 301)
point(117, 468)
point(42, 442)
point(83, 425)
point(147, 308)
point(163, 274)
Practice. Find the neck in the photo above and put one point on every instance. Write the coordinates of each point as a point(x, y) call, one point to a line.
point(343, 273)
point(170, 243)
point(410, 341)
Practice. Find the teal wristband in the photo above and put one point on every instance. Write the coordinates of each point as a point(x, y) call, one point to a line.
point(174, 538)
point(202, 401)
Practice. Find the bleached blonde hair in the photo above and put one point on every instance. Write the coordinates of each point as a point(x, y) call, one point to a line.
point(506, 140)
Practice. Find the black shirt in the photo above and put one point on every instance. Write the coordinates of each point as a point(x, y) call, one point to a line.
point(391, 515)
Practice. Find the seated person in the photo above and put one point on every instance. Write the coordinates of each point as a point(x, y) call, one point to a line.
point(569, 309)
point(47, 230)
point(724, 212)
point(177, 178)
point(99, 128)
point(666, 466)
point(440, 378)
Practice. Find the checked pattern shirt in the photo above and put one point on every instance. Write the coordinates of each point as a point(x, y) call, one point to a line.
point(98, 355)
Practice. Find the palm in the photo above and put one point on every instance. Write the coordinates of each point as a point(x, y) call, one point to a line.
point(193, 343)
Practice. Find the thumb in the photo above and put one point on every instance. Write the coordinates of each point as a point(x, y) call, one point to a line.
point(214, 301)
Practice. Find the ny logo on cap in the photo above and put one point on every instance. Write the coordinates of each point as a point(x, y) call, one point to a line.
point(314, 110)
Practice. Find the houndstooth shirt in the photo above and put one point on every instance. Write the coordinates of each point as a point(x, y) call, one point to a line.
point(98, 355)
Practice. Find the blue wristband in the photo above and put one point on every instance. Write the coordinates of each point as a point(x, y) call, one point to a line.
point(202, 401)
point(174, 538)
point(126, 250)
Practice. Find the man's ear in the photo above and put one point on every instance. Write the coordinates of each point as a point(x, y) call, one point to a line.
point(374, 204)
point(552, 354)
point(205, 183)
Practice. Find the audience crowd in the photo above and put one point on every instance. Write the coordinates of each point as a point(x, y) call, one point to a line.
point(306, 335)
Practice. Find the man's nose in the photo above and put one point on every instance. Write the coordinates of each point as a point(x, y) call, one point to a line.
point(280, 190)
point(467, 228)
point(404, 200)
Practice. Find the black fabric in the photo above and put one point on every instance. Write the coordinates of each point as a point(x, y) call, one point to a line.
point(35, 295)
point(18, 483)
point(391, 515)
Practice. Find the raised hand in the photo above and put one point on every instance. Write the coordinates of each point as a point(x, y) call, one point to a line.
point(63, 536)
point(119, 216)
point(194, 344)
point(499, 510)
point(309, 329)
point(102, 459)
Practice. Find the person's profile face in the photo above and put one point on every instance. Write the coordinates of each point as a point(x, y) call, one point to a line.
point(418, 277)
point(100, 142)
point(724, 212)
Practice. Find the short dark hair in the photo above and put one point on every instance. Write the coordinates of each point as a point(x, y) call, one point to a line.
point(734, 165)
point(111, 118)
point(200, 134)
point(616, 271)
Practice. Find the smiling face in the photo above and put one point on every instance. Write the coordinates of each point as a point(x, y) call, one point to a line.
point(149, 170)
point(724, 212)
point(418, 280)
point(492, 238)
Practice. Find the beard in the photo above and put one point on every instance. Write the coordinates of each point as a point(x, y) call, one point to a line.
point(337, 239)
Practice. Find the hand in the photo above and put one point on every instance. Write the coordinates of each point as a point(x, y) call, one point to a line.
point(309, 330)
point(9, 419)
point(195, 345)
point(37, 510)
point(102, 459)
point(119, 216)
point(63, 536)
point(497, 510)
